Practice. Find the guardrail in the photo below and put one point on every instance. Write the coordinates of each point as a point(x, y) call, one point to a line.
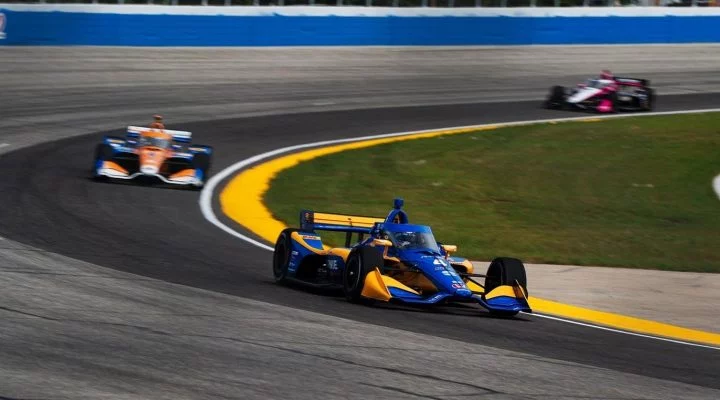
point(156, 25)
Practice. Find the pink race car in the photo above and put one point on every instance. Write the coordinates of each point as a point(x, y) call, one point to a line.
point(604, 94)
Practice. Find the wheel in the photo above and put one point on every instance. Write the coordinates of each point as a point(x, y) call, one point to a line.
point(649, 103)
point(556, 98)
point(202, 162)
point(505, 271)
point(361, 261)
point(103, 152)
point(281, 255)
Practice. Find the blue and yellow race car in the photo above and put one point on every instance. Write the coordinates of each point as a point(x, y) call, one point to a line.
point(390, 260)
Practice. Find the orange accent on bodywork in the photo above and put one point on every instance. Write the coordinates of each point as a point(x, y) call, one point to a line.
point(474, 286)
point(469, 268)
point(504, 290)
point(374, 287)
point(185, 172)
point(115, 166)
point(349, 220)
point(338, 251)
point(153, 156)
point(390, 282)
point(158, 134)
point(299, 238)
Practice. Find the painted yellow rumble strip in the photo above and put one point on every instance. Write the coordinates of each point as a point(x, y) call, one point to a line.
point(242, 201)
point(623, 322)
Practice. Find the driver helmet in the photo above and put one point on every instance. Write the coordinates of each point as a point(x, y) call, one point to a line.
point(157, 122)
point(606, 74)
point(407, 238)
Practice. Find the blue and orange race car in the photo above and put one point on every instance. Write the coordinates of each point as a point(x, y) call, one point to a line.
point(390, 260)
point(153, 155)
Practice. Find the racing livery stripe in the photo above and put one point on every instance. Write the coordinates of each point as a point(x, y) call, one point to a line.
point(241, 201)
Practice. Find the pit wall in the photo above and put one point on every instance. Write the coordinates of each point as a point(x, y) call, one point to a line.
point(133, 25)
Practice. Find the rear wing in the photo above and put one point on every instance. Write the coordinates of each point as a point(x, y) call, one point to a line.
point(178, 136)
point(632, 81)
point(311, 221)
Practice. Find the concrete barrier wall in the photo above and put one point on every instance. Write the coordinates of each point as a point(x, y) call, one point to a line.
point(129, 25)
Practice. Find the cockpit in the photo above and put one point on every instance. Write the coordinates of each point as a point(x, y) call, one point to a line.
point(410, 237)
point(597, 83)
point(155, 142)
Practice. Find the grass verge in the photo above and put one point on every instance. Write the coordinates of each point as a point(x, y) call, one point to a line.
point(625, 192)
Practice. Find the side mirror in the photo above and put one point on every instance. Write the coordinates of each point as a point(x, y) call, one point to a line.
point(449, 248)
point(382, 242)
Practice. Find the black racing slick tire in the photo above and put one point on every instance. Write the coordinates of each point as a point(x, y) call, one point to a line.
point(202, 162)
point(649, 104)
point(103, 152)
point(281, 255)
point(556, 98)
point(360, 263)
point(505, 271)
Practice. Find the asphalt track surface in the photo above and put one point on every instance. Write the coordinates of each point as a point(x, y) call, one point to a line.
point(49, 203)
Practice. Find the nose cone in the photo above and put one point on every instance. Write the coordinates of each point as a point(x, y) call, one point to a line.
point(151, 159)
point(463, 293)
point(149, 169)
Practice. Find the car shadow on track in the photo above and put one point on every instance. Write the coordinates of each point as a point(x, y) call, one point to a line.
point(336, 296)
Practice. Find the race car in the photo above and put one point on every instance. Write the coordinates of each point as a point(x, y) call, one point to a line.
point(604, 95)
point(390, 260)
point(153, 155)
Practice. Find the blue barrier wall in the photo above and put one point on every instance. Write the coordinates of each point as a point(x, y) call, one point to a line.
point(326, 26)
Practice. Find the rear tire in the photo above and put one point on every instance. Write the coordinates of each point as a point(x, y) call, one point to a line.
point(281, 255)
point(360, 262)
point(650, 102)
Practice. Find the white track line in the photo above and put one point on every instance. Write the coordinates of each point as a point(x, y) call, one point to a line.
point(716, 185)
point(604, 328)
point(206, 196)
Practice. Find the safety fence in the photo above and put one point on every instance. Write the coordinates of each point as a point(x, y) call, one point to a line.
point(396, 3)
point(155, 25)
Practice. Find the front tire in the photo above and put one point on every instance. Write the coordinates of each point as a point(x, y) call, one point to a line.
point(360, 263)
point(505, 271)
point(103, 152)
point(556, 98)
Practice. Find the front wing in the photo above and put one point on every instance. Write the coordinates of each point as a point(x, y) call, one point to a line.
point(502, 298)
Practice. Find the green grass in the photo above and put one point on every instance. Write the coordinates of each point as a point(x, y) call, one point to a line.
point(626, 192)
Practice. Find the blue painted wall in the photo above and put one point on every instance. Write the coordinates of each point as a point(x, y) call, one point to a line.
point(67, 26)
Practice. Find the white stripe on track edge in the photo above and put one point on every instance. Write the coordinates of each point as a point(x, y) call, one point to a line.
point(716, 185)
point(206, 196)
point(604, 328)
